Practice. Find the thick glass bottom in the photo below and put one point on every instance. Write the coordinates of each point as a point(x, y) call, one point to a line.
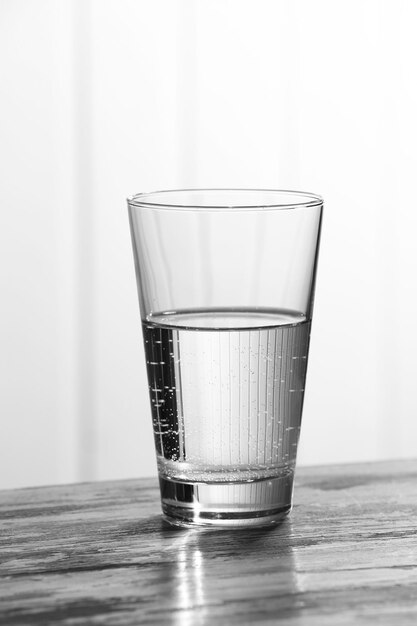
point(246, 504)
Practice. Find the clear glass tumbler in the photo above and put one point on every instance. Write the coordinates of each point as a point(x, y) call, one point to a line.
point(226, 282)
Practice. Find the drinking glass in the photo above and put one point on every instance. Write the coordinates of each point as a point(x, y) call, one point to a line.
point(226, 282)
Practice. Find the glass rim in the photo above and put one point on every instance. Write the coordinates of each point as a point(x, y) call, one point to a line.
point(153, 199)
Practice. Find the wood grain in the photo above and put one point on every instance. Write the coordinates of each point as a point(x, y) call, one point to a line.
point(100, 554)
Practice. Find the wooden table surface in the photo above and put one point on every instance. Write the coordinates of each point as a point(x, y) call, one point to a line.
point(99, 554)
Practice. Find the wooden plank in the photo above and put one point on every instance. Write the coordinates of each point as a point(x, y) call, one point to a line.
point(99, 553)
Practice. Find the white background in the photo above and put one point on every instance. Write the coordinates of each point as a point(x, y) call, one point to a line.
point(100, 99)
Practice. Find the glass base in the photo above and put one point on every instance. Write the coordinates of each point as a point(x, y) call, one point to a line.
point(248, 504)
